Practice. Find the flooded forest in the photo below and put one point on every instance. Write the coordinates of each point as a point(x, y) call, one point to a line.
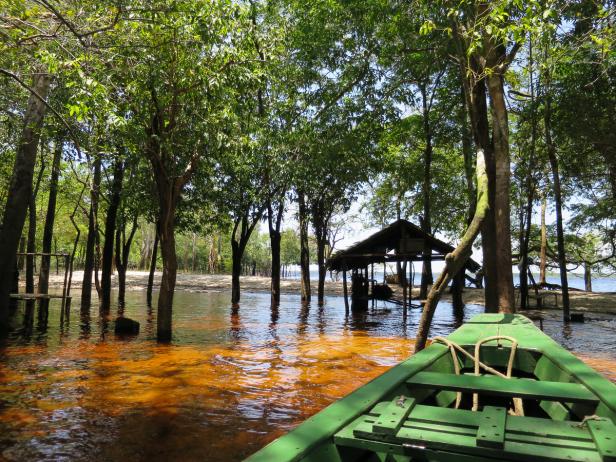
point(218, 217)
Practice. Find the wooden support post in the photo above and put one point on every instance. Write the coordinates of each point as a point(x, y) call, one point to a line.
point(404, 289)
point(66, 265)
point(345, 290)
point(410, 283)
point(372, 283)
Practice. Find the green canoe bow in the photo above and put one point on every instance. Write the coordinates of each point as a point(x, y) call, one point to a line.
point(409, 414)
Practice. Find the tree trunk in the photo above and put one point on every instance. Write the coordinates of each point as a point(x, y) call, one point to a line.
point(274, 220)
point(500, 134)
point(20, 191)
point(469, 161)
point(544, 243)
point(90, 255)
point(530, 190)
point(321, 243)
point(170, 268)
point(478, 112)
point(122, 255)
point(31, 244)
point(426, 222)
point(152, 268)
point(236, 270)
point(43, 283)
point(455, 261)
point(587, 277)
point(304, 250)
point(110, 226)
point(560, 234)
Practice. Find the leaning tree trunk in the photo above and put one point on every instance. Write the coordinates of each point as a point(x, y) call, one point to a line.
point(110, 226)
point(500, 134)
point(20, 190)
point(560, 234)
point(88, 266)
point(43, 283)
point(456, 260)
point(304, 249)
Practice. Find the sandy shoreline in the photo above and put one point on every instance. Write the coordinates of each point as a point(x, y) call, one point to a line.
point(599, 302)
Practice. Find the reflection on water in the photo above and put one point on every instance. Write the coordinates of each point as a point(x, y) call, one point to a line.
point(232, 380)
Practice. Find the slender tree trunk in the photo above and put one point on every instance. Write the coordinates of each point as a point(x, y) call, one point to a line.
point(31, 244)
point(456, 260)
point(544, 244)
point(90, 255)
point(560, 234)
point(122, 254)
point(110, 227)
point(530, 190)
point(304, 250)
point(500, 130)
point(152, 268)
point(321, 243)
point(426, 222)
point(43, 283)
point(20, 191)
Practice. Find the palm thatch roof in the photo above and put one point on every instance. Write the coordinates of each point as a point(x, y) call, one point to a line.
point(399, 241)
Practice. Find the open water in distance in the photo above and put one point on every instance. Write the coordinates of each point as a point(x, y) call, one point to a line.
point(576, 281)
point(231, 380)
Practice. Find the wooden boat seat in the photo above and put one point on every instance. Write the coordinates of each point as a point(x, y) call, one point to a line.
point(478, 436)
point(498, 386)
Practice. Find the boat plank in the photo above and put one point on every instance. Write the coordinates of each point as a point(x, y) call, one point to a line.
point(498, 386)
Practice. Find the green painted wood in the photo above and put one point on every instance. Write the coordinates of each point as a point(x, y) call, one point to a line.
point(491, 430)
point(461, 428)
point(604, 435)
point(525, 442)
point(393, 415)
point(528, 449)
point(498, 386)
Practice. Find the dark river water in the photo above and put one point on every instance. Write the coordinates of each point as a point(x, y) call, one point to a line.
point(231, 380)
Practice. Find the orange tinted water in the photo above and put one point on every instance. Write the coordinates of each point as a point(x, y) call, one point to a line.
point(231, 380)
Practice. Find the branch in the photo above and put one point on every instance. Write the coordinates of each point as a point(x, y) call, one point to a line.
point(42, 100)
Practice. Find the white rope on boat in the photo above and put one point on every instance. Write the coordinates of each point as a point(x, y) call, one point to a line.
point(453, 347)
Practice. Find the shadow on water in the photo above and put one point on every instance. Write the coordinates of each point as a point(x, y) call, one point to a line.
point(232, 379)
